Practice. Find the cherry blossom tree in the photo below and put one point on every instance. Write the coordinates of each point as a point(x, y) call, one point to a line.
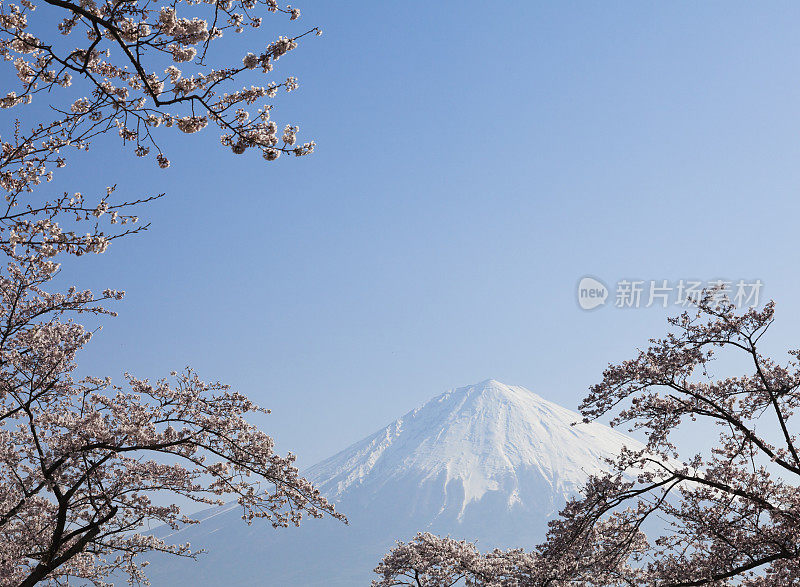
point(432, 561)
point(728, 515)
point(429, 560)
point(87, 464)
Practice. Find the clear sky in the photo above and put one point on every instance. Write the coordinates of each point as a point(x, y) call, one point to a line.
point(474, 161)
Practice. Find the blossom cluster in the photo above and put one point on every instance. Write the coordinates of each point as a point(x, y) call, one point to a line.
point(120, 80)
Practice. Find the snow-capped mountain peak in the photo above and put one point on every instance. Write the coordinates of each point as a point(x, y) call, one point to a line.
point(487, 462)
point(476, 439)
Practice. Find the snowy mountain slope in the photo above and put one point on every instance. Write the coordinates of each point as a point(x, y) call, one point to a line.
point(488, 462)
point(478, 438)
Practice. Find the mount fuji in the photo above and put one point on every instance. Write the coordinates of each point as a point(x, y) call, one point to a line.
point(488, 462)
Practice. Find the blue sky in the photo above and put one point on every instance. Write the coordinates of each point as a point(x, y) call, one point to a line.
point(474, 161)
